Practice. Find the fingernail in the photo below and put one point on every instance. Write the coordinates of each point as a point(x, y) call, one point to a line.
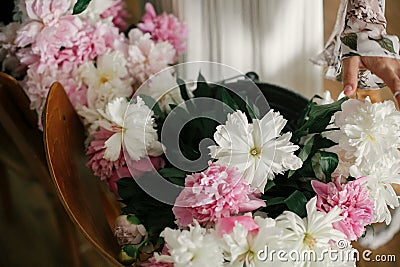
point(348, 89)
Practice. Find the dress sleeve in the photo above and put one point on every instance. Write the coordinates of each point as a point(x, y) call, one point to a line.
point(360, 30)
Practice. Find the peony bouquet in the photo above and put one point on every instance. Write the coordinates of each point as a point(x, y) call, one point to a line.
point(258, 187)
point(208, 174)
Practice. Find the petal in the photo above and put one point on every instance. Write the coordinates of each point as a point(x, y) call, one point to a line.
point(116, 110)
point(226, 225)
point(320, 188)
point(28, 33)
point(112, 64)
point(113, 147)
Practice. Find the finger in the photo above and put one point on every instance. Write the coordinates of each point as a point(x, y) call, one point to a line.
point(392, 80)
point(350, 74)
point(388, 69)
point(390, 77)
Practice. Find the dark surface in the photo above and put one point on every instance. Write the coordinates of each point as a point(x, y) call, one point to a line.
point(289, 103)
point(7, 6)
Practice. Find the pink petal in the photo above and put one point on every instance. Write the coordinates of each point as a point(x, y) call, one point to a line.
point(320, 188)
point(226, 225)
point(28, 33)
point(251, 205)
point(150, 10)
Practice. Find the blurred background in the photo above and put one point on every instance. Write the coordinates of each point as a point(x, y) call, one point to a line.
point(29, 235)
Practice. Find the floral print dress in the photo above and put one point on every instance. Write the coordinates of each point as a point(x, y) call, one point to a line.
point(360, 30)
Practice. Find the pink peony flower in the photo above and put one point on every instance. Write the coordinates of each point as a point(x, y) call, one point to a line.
point(216, 193)
point(36, 85)
point(100, 166)
point(352, 198)
point(112, 171)
point(118, 14)
point(53, 44)
point(145, 164)
point(226, 225)
point(47, 11)
point(164, 27)
point(48, 27)
point(145, 57)
point(95, 40)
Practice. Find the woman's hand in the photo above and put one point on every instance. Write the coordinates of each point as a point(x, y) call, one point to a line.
point(388, 69)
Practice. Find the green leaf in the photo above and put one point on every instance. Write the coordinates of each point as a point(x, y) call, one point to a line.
point(269, 185)
point(80, 6)
point(275, 201)
point(322, 142)
point(201, 78)
point(131, 250)
point(172, 106)
point(253, 110)
point(386, 44)
point(305, 152)
point(350, 40)
point(133, 219)
point(203, 89)
point(296, 203)
point(317, 118)
point(177, 181)
point(153, 105)
point(182, 88)
point(324, 163)
point(226, 98)
point(174, 175)
point(328, 162)
point(318, 111)
point(172, 172)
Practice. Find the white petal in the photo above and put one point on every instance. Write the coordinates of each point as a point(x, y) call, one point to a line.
point(112, 64)
point(113, 147)
point(116, 110)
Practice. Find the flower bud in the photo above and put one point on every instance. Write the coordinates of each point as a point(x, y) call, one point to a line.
point(129, 230)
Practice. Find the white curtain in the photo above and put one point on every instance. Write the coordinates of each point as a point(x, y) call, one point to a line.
point(274, 38)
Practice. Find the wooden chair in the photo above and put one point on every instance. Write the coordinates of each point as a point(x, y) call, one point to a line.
point(23, 151)
point(89, 206)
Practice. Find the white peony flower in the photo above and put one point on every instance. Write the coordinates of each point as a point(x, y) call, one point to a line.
point(163, 88)
point(380, 177)
point(107, 80)
point(367, 130)
point(195, 247)
point(241, 248)
point(258, 150)
point(133, 127)
point(313, 233)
